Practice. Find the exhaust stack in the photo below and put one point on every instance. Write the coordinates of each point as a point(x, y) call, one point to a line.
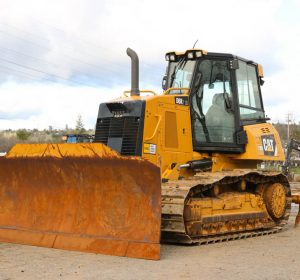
point(134, 72)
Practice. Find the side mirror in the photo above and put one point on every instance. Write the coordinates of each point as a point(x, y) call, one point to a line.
point(164, 83)
point(261, 81)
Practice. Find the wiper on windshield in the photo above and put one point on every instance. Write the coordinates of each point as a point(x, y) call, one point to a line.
point(182, 62)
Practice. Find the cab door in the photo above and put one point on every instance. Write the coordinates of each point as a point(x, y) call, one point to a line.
point(212, 107)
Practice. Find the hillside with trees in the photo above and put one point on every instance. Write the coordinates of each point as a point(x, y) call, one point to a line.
point(294, 131)
point(10, 137)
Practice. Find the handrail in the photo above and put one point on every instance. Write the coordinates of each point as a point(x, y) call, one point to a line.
point(156, 128)
point(149, 91)
point(171, 89)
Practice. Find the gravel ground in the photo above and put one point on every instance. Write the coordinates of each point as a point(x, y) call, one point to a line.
point(267, 257)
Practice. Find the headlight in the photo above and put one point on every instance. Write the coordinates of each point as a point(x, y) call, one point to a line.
point(190, 55)
point(198, 54)
point(171, 56)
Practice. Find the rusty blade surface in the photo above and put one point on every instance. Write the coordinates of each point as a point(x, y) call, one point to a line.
point(101, 205)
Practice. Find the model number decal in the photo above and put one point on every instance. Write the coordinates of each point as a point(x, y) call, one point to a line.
point(182, 100)
point(269, 145)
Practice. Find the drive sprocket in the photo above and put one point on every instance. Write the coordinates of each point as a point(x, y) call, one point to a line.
point(275, 200)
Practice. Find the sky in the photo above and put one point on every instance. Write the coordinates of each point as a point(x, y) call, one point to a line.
point(62, 58)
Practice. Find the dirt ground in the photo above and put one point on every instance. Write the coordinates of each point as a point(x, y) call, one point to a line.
point(267, 257)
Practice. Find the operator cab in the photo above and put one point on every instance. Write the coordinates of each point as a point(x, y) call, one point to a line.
point(224, 96)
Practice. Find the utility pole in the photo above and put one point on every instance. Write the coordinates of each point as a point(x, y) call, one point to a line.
point(289, 118)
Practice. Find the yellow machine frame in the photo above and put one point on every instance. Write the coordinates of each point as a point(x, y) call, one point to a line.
point(167, 139)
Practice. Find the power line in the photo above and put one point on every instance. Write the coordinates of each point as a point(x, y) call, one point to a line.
point(72, 58)
point(23, 31)
point(23, 74)
point(96, 46)
point(29, 56)
point(77, 38)
point(111, 69)
point(40, 71)
point(8, 50)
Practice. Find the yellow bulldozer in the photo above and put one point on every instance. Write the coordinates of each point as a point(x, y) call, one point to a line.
point(180, 167)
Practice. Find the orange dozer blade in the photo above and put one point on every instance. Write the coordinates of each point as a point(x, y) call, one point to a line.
point(83, 197)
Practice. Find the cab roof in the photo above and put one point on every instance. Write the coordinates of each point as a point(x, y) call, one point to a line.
point(220, 55)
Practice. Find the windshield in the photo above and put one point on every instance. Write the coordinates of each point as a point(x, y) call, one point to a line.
point(181, 73)
point(249, 95)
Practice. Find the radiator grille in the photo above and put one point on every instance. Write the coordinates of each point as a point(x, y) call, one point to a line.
point(124, 129)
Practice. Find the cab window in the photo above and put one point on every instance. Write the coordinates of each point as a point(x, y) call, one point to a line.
point(248, 92)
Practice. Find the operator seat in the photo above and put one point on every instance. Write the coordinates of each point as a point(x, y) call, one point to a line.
point(219, 122)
